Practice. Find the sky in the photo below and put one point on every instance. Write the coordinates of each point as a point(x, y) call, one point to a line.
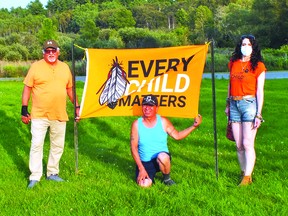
point(18, 3)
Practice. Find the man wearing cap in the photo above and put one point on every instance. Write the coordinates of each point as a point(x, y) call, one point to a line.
point(148, 142)
point(49, 81)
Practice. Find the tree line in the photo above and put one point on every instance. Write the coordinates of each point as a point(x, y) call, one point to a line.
point(139, 24)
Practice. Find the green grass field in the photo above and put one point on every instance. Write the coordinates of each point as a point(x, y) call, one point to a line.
point(104, 184)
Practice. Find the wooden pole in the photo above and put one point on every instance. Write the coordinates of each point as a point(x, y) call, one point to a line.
point(214, 109)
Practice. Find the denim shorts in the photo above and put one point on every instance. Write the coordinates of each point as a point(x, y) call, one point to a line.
point(243, 110)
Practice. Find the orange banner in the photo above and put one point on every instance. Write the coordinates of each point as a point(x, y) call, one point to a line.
point(117, 79)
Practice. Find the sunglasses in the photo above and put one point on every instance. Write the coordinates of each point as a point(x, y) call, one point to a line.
point(51, 51)
point(249, 36)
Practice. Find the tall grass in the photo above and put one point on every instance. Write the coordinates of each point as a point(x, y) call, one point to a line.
point(105, 183)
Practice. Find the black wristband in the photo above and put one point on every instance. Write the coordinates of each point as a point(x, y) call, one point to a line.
point(24, 111)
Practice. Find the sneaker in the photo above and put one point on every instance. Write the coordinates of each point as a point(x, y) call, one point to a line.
point(55, 177)
point(169, 182)
point(32, 183)
point(247, 180)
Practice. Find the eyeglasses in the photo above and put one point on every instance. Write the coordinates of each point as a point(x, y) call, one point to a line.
point(249, 36)
point(50, 51)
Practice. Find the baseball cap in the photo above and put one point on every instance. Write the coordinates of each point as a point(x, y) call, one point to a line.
point(50, 44)
point(150, 100)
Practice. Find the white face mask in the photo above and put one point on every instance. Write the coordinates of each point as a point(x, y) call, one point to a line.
point(246, 50)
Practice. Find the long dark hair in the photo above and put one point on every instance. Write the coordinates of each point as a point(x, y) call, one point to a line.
point(256, 52)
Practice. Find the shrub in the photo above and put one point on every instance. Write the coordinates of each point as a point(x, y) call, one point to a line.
point(150, 42)
point(132, 37)
point(276, 59)
point(2, 41)
point(112, 43)
point(80, 67)
point(220, 63)
point(168, 39)
point(65, 44)
point(20, 49)
point(36, 53)
point(15, 71)
point(12, 56)
point(24, 70)
point(105, 34)
point(9, 71)
point(273, 62)
point(3, 51)
point(13, 38)
point(109, 38)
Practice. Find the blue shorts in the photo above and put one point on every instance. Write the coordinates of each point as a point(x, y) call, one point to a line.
point(243, 110)
point(151, 167)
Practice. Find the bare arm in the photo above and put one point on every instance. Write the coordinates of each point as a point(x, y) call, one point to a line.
point(71, 97)
point(260, 92)
point(134, 151)
point(260, 99)
point(227, 100)
point(26, 95)
point(178, 135)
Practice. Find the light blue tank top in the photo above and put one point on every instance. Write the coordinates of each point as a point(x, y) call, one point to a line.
point(151, 141)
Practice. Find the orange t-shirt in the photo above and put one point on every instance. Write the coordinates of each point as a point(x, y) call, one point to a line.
point(244, 83)
point(49, 89)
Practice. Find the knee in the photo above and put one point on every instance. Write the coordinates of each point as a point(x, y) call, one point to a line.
point(248, 146)
point(163, 158)
point(240, 148)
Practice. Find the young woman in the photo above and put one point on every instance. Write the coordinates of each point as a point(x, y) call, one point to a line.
point(245, 101)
